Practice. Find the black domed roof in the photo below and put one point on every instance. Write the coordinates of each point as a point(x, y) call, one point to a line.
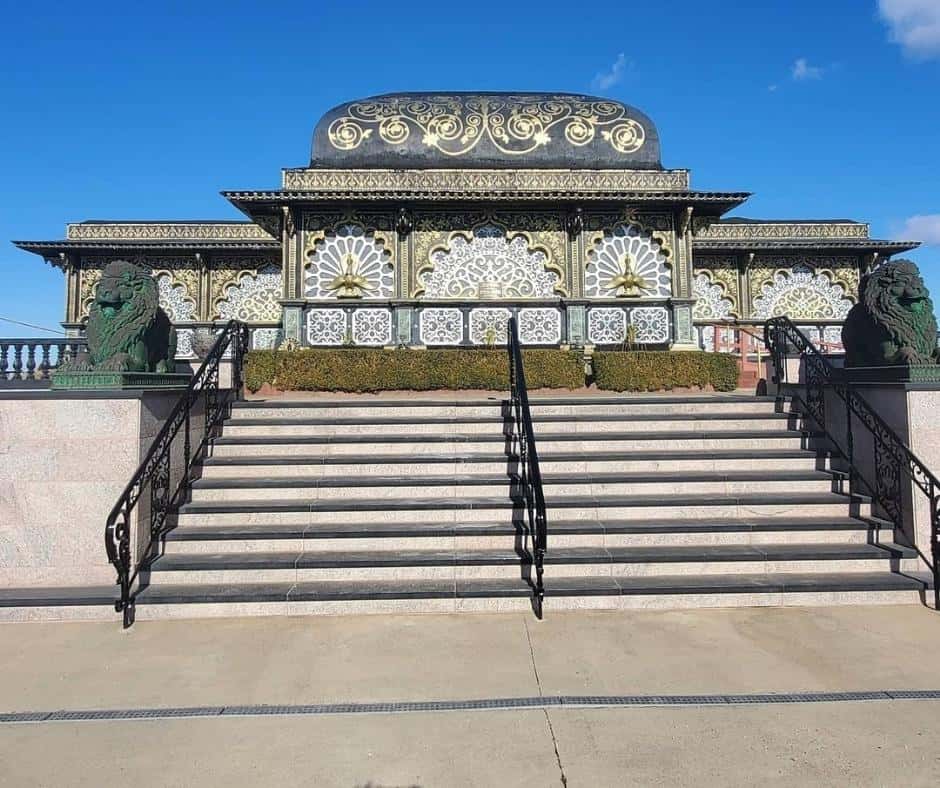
point(491, 130)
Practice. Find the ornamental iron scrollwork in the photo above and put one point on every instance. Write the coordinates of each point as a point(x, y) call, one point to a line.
point(514, 125)
point(163, 478)
point(891, 457)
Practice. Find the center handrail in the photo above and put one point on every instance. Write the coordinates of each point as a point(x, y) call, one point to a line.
point(166, 467)
point(892, 456)
point(530, 474)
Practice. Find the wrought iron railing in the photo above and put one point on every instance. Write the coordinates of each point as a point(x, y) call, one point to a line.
point(32, 360)
point(162, 480)
point(529, 473)
point(891, 457)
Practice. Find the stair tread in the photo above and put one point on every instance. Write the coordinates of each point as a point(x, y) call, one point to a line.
point(559, 527)
point(546, 418)
point(505, 502)
point(544, 457)
point(339, 590)
point(559, 555)
point(495, 437)
point(430, 480)
point(534, 399)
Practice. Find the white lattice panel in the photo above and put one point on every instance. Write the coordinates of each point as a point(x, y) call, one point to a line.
point(372, 327)
point(488, 325)
point(266, 338)
point(326, 327)
point(540, 326)
point(651, 324)
point(607, 326)
point(441, 326)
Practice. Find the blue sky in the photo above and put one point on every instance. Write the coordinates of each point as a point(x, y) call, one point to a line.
point(146, 110)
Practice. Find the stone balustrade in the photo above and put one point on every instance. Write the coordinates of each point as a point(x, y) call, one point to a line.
point(27, 361)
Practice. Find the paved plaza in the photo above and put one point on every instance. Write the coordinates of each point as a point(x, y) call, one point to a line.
point(224, 665)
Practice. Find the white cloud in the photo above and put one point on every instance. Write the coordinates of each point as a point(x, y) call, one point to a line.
point(914, 24)
point(802, 70)
point(604, 80)
point(923, 227)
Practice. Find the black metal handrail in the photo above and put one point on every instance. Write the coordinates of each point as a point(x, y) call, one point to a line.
point(530, 475)
point(892, 457)
point(165, 470)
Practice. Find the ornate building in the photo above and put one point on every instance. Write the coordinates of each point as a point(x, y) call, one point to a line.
point(427, 219)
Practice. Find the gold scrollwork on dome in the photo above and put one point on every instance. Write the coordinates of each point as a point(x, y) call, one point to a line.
point(515, 125)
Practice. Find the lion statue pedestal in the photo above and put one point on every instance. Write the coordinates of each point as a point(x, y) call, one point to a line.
point(131, 342)
point(891, 333)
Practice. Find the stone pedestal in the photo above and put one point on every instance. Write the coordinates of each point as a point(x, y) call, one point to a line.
point(65, 457)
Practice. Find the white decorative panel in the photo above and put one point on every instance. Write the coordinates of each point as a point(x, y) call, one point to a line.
point(488, 265)
point(372, 327)
point(651, 324)
point(184, 343)
point(607, 326)
point(179, 307)
point(254, 297)
point(441, 326)
point(540, 326)
point(804, 295)
point(266, 338)
point(710, 303)
point(488, 325)
point(326, 326)
point(350, 263)
point(627, 262)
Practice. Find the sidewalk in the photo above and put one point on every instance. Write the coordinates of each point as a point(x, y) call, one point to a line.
point(271, 661)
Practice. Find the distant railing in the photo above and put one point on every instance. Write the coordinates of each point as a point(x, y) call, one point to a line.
point(31, 361)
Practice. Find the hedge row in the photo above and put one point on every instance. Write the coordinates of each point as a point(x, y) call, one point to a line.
point(376, 369)
point(657, 371)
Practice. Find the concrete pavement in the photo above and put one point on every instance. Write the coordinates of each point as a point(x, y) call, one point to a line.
point(419, 658)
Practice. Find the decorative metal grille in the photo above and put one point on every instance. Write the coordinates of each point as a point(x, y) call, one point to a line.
point(350, 263)
point(488, 325)
point(627, 251)
point(441, 326)
point(651, 324)
point(540, 326)
point(372, 327)
point(326, 327)
point(607, 326)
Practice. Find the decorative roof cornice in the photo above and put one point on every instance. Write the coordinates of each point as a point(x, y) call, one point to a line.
point(51, 250)
point(167, 231)
point(718, 202)
point(468, 182)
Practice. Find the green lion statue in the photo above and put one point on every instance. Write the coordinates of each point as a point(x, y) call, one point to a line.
point(127, 330)
point(893, 322)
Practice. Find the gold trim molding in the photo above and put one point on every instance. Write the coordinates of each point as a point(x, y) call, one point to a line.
point(167, 231)
point(458, 181)
point(722, 231)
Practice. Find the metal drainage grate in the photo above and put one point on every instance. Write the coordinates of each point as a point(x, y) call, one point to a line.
point(409, 707)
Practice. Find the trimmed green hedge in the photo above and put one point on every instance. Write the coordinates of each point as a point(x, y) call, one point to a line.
point(645, 370)
point(376, 369)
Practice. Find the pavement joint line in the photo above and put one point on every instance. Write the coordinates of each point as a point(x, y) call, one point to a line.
point(483, 704)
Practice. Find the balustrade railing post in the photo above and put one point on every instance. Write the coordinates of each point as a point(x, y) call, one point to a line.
point(30, 361)
point(17, 362)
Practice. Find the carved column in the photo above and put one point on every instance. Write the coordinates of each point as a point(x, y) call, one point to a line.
point(292, 302)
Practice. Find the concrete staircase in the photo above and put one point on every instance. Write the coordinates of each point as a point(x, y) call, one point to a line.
point(377, 505)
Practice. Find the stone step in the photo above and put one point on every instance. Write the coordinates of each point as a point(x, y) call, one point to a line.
point(419, 408)
point(300, 566)
point(378, 427)
point(563, 533)
point(253, 467)
point(548, 442)
point(324, 488)
point(503, 509)
point(173, 600)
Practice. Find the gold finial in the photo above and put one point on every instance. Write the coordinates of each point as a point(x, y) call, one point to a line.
point(629, 282)
point(350, 284)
